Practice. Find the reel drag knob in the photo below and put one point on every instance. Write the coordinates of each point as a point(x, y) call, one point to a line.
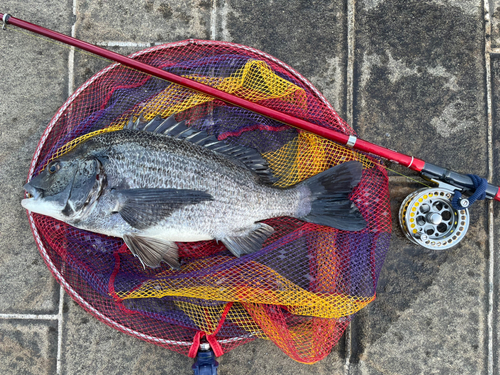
point(428, 219)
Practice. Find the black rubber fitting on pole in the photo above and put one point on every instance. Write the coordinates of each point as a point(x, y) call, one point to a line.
point(456, 179)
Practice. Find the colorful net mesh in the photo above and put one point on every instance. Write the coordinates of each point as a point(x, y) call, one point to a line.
point(299, 291)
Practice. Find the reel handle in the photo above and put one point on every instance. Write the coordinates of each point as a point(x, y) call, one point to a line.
point(456, 179)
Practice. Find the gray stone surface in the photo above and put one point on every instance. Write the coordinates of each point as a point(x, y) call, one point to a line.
point(494, 13)
point(28, 347)
point(419, 92)
point(419, 88)
point(496, 179)
point(143, 21)
point(429, 315)
point(495, 291)
point(91, 347)
point(263, 357)
point(34, 81)
point(420, 80)
point(310, 36)
point(495, 83)
point(55, 15)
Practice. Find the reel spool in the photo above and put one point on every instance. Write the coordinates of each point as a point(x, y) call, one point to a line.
point(428, 219)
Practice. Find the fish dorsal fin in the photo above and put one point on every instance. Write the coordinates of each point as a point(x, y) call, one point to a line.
point(249, 157)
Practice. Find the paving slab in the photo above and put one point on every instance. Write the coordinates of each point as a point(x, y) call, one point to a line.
point(91, 347)
point(55, 15)
point(429, 315)
point(263, 357)
point(494, 15)
point(35, 85)
point(143, 21)
point(419, 89)
point(494, 289)
point(28, 347)
point(310, 36)
point(495, 258)
point(495, 85)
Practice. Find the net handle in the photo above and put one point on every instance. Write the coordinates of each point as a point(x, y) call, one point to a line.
point(410, 162)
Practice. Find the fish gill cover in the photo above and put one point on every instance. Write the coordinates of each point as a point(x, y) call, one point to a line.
point(300, 290)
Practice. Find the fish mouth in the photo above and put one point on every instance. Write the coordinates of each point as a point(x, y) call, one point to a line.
point(33, 196)
point(32, 192)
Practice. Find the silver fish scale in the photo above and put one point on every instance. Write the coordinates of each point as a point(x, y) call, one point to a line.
point(136, 159)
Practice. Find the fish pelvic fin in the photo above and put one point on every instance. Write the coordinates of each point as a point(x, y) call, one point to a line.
point(328, 197)
point(152, 251)
point(249, 241)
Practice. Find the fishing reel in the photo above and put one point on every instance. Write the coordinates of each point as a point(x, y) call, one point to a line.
point(428, 219)
point(437, 218)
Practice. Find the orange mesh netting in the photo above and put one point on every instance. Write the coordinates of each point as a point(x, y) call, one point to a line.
point(300, 290)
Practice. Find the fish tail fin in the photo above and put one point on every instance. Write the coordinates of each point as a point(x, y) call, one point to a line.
point(328, 202)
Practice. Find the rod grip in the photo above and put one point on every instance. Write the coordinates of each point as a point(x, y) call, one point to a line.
point(457, 179)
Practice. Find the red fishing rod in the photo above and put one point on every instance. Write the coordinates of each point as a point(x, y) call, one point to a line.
point(428, 170)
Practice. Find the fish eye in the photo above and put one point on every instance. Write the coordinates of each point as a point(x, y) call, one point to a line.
point(54, 167)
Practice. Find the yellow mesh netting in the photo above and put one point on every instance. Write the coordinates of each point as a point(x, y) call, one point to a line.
point(305, 156)
point(308, 155)
point(257, 291)
point(243, 285)
point(254, 82)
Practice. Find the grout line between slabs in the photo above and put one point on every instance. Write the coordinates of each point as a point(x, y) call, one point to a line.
point(71, 89)
point(59, 315)
point(224, 10)
point(59, 331)
point(29, 317)
point(491, 269)
point(213, 21)
point(349, 115)
point(491, 245)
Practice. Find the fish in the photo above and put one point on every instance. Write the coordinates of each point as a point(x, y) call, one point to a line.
point(158, 182)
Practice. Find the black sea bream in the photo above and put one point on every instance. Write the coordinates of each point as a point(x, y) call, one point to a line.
point(157, 183)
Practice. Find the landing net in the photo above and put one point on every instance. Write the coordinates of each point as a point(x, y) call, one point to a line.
point(300, 290)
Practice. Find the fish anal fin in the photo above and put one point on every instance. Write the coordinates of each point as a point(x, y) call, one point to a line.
point(152, 251)
point(249, 241)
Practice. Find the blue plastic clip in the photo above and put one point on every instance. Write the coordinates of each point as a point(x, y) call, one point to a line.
point(480, 186)
point(205, 363)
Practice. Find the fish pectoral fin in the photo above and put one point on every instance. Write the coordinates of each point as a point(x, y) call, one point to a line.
point(142, 208)
point(250, 241)
point(152, 251)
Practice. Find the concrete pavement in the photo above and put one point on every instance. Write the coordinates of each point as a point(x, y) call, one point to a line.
point(421, 77)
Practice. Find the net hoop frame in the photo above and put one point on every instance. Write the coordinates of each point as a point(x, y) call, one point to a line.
point(55, 272)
